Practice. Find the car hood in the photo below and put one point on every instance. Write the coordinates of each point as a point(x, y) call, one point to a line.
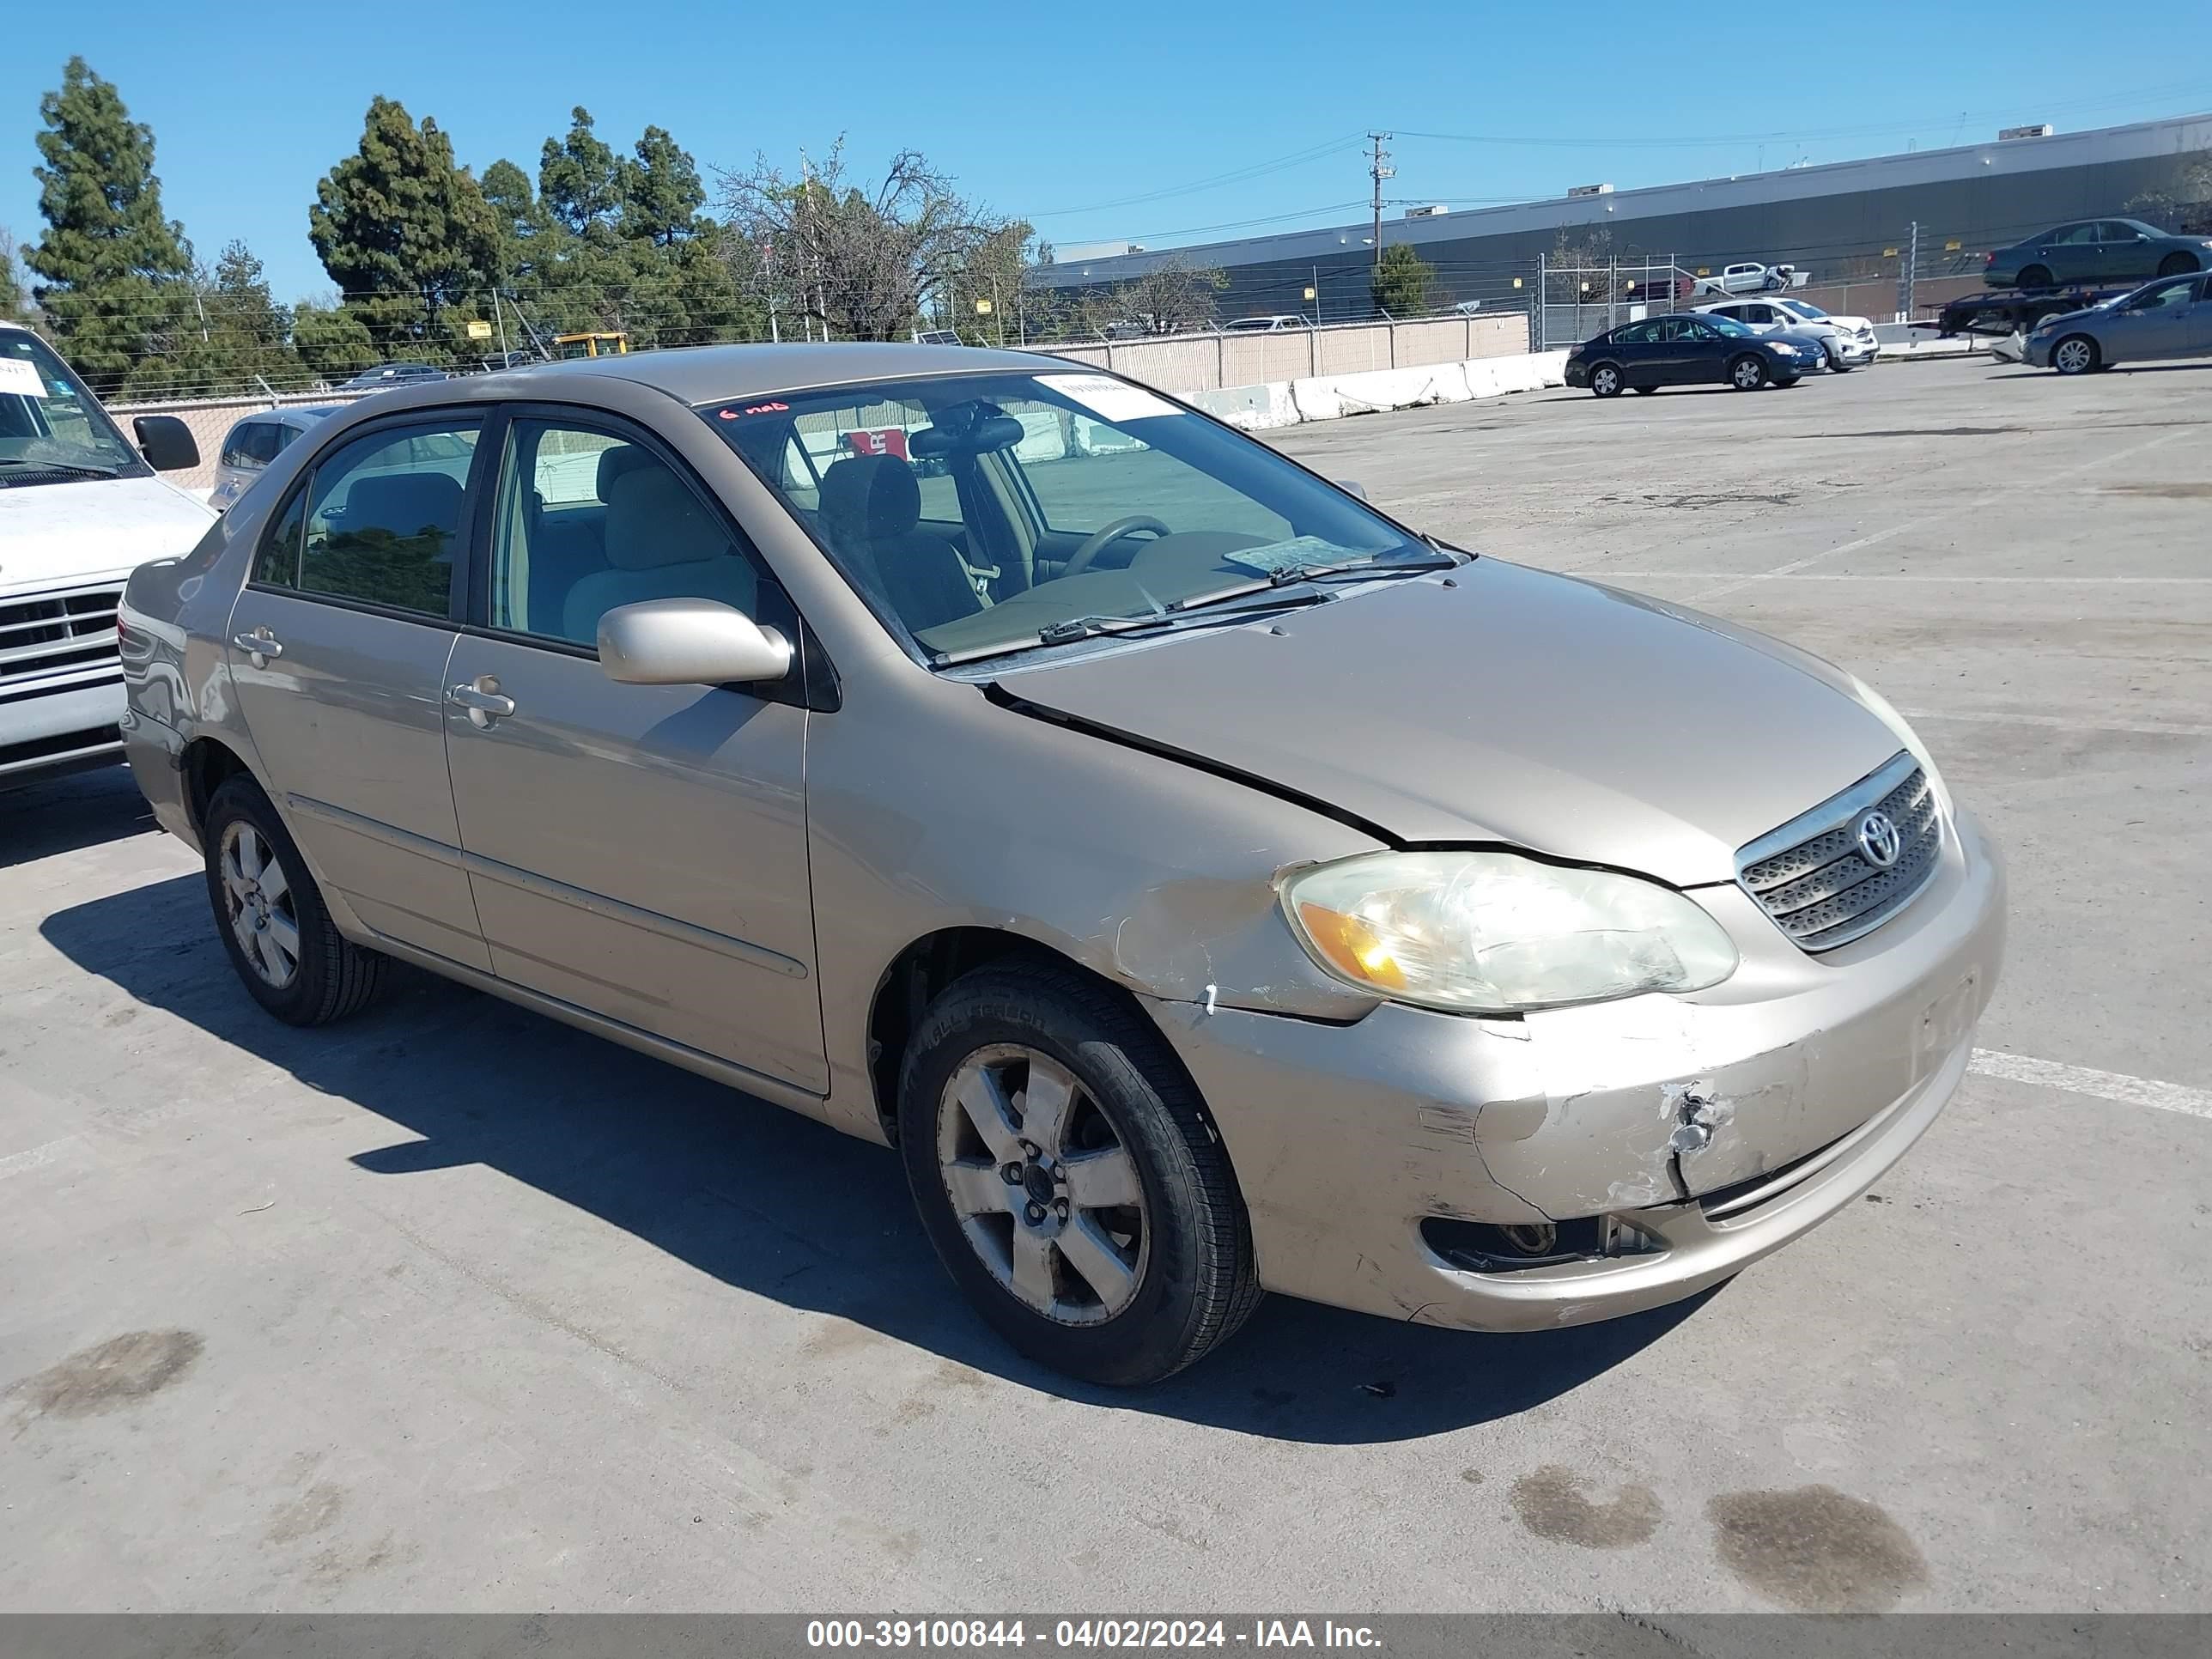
point(53, 534)
point(1513, 705)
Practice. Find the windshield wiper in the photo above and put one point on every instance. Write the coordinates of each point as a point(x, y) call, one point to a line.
point(1171, 619)
point(77, 467)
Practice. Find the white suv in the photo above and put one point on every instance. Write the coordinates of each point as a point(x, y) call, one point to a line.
point(1848, 341)
point(80, 505)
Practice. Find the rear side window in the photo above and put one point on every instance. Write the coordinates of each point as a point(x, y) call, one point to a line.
point(383, 520)
point(252, 446)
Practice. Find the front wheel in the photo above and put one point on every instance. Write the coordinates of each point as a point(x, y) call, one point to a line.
point(1836, 363)
point(2076, 354)
point(274, 924)
point(1605, 381)
point(1748, 372)
point(2177, 264)
point(1067, 1174)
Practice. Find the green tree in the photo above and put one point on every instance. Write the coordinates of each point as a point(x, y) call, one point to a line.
point(1401, 282)
point(579, 180)
point(405, 232)
point(11, 280)
point(332, 341)
point(661, 193)
point(113, 276)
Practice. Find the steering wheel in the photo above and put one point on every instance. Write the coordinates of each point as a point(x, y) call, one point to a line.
point(1096, 542)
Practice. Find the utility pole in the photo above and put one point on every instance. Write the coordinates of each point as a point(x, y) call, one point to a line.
point(1912, 268)
point(1379, 169)
point(499, 317)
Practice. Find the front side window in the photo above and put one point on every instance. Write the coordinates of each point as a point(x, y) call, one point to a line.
point(383, 517)
point(51, 428)
point(2075, 235)
point(2174, 295)
point(989, 513)
point(587, 521)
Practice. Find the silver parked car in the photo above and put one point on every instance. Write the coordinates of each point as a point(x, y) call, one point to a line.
point(1206, 882)
point(253, 442)
point(2171, 316)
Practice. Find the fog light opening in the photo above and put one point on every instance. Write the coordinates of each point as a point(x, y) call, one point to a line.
point(1532, 1238)
point(1489, 1247)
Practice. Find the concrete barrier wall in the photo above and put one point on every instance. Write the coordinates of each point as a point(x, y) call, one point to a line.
point(1188, 364)
point(1332, 396)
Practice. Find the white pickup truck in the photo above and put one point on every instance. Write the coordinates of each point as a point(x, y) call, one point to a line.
point(80, 507)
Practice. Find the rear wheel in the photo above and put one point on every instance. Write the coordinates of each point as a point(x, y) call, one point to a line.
point(2176, 264)
point(1748, 372)
point(293, 960)
point(1605, 380)
point(2076, 354)
point(2036, 277)
point(1067, 1174)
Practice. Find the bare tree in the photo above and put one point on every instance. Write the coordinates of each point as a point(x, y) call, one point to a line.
point(867, 265)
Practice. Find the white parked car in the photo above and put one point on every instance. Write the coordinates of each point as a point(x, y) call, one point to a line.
point(1264, 324)
point(80, 508)
point(1750, 276)
point(1849, 341)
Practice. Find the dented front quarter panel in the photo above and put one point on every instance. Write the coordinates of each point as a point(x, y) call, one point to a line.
point(1345, 1140)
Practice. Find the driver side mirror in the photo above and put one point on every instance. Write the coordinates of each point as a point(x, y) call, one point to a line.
point(690, 642)
point(167, 443)
point(1353, 487)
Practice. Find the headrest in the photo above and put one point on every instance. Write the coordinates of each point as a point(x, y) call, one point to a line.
point(405, 503)
point(616, 460)
point(869, 498)
point(653, 521)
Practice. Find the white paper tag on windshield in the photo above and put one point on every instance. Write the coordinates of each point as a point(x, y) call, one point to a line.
point(1108, 400)
point(20, 379)
point(1297, 554)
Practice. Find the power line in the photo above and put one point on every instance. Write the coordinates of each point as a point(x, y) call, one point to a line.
point(1240, 175)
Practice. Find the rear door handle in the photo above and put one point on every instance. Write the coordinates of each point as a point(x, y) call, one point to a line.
point(482, 699)
point(260, 645)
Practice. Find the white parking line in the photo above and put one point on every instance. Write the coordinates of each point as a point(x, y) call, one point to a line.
point(2101, 1085)
point(1952, 512)
point(1834, 576)
point(36, 1158)
point(2065, 723)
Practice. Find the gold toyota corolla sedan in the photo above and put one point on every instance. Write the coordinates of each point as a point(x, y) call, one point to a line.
point(1207, 884)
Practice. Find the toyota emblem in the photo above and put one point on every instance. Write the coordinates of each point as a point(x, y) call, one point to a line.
point(1878, 842)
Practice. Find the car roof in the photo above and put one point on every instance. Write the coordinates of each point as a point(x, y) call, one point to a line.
point(710, 375)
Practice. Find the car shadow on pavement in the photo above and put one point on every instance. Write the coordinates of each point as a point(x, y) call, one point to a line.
point(60, 815)
point(776, 1204)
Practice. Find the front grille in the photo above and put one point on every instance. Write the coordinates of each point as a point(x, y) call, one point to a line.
point(46, 633)
point(1811, 876)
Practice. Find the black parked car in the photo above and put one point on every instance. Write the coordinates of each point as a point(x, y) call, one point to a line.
point(390, 374)
point(1698, 350)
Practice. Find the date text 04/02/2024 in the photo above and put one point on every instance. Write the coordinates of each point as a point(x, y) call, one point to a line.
point(1086, 1634)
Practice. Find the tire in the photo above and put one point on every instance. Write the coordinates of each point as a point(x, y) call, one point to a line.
point(1748, 372)
point(1606, 381)
point(294, 963)
point(1788, 380)
point(2077, 354)
point(1174, 1272)
point(2036, 276)
point(2177, 264)
point(1836, 363)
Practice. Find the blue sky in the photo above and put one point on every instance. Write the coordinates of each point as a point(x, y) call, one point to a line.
point(1096, 120)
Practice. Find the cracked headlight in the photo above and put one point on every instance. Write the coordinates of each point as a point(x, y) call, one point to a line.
point(1494, 932)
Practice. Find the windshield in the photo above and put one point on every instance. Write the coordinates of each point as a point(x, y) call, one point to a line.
point(981, 513)
point(1729, 326)
point(49, 420)
point(1802, 308)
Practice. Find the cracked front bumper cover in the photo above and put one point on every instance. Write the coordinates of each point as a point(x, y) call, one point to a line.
point(1817, 1074)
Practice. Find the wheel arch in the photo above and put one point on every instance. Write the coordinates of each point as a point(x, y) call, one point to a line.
point(914, 978)
point(207, 764)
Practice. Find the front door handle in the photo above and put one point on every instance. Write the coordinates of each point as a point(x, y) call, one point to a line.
point(260, 646)
point(482, 699)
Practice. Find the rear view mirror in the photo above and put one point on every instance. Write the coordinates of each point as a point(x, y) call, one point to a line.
point(167, 443)
point(690, 642)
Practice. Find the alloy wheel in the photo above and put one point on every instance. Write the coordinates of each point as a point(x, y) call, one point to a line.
point(1047, 1194)
point(1606, 382)
point(1748, 376)
point(258, 898)
point(2073, 357)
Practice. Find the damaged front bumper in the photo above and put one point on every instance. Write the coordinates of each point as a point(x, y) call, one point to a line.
point(1640, 1150)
